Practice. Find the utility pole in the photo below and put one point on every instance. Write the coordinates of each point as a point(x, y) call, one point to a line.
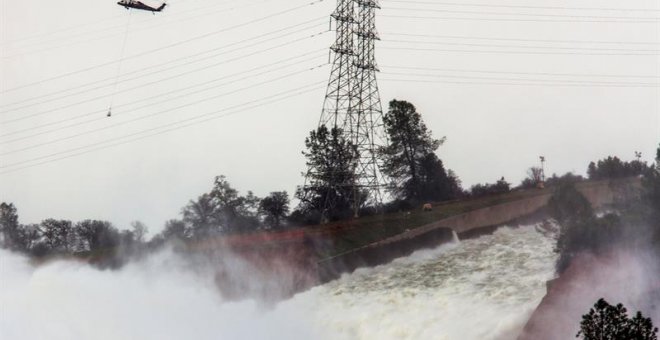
point(542, 158)
point(352, 102)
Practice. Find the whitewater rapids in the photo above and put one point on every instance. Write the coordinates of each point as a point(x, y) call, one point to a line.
point(482, 288)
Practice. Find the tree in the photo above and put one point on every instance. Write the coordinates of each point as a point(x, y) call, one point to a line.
point(27, 237)
point(9, 226)
point(613, 167)
point(139, 231)
point(248, 212)
point(175, 229)
point(232, 211)
point(437, 185)
point(14, 235)
point(534, 177)
point(330, 160)
point(58, 235)
point(202, 216)
point(607, 322)
point(455, 185)
point(499, 187)
point(568, 177)
point(95, 235)
point(275, 207)
point(409, 159)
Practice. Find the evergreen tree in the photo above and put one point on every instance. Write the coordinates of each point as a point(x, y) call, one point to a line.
point(330, 160)
point(410, 160)
point(607, 322)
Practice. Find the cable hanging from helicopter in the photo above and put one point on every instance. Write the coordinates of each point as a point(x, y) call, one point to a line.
point(128, 4)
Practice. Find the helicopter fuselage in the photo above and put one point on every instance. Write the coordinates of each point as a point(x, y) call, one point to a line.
point(128, 4)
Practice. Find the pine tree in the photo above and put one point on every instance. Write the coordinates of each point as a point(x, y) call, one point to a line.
point(329, 188)
point(410, 159)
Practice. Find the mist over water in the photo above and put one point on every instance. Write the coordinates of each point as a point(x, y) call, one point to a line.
point(483, 288)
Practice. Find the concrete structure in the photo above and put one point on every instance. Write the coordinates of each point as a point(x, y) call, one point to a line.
point(600, 194)
point(293, 260)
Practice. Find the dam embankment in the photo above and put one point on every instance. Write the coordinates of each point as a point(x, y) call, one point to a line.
point(300, 257)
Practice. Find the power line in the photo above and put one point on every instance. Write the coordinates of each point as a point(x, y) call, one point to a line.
point(172, 127)
point(526, 40)
point(519, 14)
point(519, 46)
point(519, 20)
point(153, 82)
point(151, 115)
point(78, 27)
point(55, 31)
point(525, 73)
point(162, 94)
point(524, 6)
point(148, 105)
point(562, 81)
point(158, 65)
point(97, 38)
point(506, 84)
point(517, 52)
point(198, 37)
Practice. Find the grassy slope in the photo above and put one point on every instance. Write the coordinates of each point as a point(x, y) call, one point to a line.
point(347, 235)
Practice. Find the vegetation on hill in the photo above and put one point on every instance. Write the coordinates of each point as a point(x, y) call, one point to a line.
point(582, 231)
point(499, 187)
point(613, 167)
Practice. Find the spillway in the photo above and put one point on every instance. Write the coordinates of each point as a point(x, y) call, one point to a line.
point(480, 288)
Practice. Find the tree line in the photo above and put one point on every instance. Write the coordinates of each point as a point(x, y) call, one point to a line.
point(63, 237)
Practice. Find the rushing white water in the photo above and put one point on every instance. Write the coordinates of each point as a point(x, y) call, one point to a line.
point(481, 288)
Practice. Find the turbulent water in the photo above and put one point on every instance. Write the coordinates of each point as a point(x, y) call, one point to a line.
point(483, 288)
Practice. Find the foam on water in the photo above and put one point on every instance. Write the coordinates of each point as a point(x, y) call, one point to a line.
point(481, 288)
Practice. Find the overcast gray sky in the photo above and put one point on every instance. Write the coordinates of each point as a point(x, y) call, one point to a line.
point(505, 81)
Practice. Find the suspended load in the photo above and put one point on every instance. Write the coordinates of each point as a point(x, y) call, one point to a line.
point(140, 5)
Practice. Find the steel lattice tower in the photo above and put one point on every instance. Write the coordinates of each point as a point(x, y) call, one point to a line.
point(367, 131)
point(352, 102)
point(338, 98)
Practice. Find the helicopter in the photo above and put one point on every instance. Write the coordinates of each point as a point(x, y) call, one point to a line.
point(140, 5)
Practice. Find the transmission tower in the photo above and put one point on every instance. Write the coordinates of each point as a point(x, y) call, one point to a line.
point(367, 132)
point(352, 102)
